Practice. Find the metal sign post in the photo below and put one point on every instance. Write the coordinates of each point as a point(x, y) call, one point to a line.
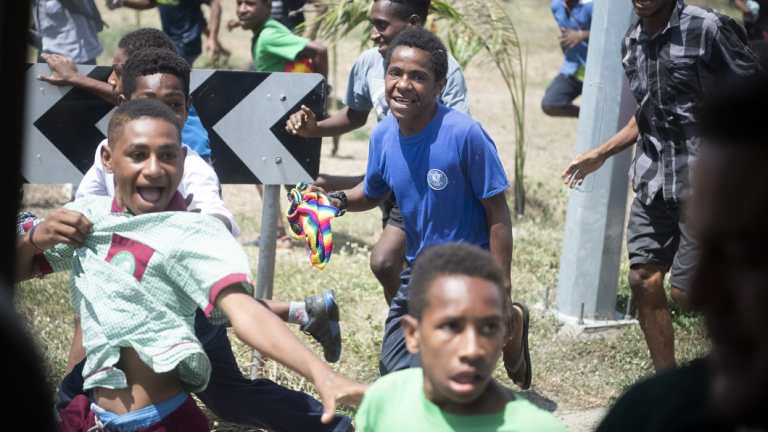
point(594, 228)
point(267, 251)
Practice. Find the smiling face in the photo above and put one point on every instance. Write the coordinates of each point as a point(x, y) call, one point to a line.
point(651, 8)
point(385, 24)
point(252, 14)
point(459, 337)
point(166, 88)
point(411, 89)
point(147, 161)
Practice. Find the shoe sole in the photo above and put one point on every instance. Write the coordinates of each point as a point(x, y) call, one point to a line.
point(526, 352)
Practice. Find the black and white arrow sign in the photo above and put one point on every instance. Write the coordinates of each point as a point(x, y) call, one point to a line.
point(244, 113)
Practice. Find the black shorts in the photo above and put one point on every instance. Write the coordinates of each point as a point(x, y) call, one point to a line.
point(390, 213)
point(561, 92)
point(657, 234)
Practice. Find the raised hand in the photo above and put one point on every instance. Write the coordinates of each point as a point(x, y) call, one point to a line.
point(302, 123)
point(63, 70)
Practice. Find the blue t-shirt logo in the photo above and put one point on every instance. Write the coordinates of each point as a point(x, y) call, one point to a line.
point(437, 179)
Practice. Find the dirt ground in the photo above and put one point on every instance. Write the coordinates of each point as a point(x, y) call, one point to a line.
point(582, 390)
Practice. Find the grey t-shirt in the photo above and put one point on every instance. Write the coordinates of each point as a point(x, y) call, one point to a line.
point(365, 89)
point(71, 31)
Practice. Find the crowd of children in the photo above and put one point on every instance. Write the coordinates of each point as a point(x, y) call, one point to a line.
point(157, 273)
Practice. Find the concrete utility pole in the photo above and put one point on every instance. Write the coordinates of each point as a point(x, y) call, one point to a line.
point(589, 264)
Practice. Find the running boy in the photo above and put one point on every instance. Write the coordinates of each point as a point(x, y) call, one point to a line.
point(140, 271)
point(448, 179)
point(163, 74)
point(365, 93)
point(456, 322)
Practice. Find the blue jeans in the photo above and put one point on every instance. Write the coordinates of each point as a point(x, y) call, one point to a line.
point(234, 398)
point(394, 355)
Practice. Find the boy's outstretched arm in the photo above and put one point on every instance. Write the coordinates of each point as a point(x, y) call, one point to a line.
point(258, 327)
point(60, 226)
point(65, 73)
point(304, 123)
point(591, 160)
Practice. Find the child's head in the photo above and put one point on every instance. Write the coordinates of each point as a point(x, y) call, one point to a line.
point(416, 66)
point(144, 154)
point(129, 45)
point(158, 74)
point(252, 14)
point(389, 17)
point(457, 321)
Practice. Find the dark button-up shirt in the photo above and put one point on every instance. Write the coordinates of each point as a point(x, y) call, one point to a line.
point(668, 74)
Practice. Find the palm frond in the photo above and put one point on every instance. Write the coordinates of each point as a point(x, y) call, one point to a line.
point(468, 27)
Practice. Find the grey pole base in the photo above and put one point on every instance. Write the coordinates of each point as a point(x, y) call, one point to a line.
point(267, 250)
point(594, 227)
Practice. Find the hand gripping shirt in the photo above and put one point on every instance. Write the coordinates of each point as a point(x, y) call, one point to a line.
point(137, 281)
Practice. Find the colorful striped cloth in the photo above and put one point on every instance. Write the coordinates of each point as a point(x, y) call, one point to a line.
point(309, 217)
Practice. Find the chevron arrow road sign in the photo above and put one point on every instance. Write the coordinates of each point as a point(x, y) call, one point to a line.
point(243, 112)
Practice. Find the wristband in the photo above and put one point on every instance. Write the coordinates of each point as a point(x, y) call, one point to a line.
point(32, 233)
point(342, 197)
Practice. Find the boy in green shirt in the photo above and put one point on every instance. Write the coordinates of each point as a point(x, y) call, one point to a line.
point(457, 307)
point(274, 47)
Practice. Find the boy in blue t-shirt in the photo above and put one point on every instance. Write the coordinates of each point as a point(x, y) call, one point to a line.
point(447, 177)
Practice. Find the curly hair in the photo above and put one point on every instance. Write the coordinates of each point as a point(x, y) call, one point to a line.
point(451, 259)
point(144, 38)
point(136, 109)
point(151, 61)
point(422, 39)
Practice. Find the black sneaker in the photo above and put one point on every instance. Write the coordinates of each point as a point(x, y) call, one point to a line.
point(323, 323)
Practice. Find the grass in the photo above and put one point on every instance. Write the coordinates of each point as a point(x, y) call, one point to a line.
point(569, 373)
